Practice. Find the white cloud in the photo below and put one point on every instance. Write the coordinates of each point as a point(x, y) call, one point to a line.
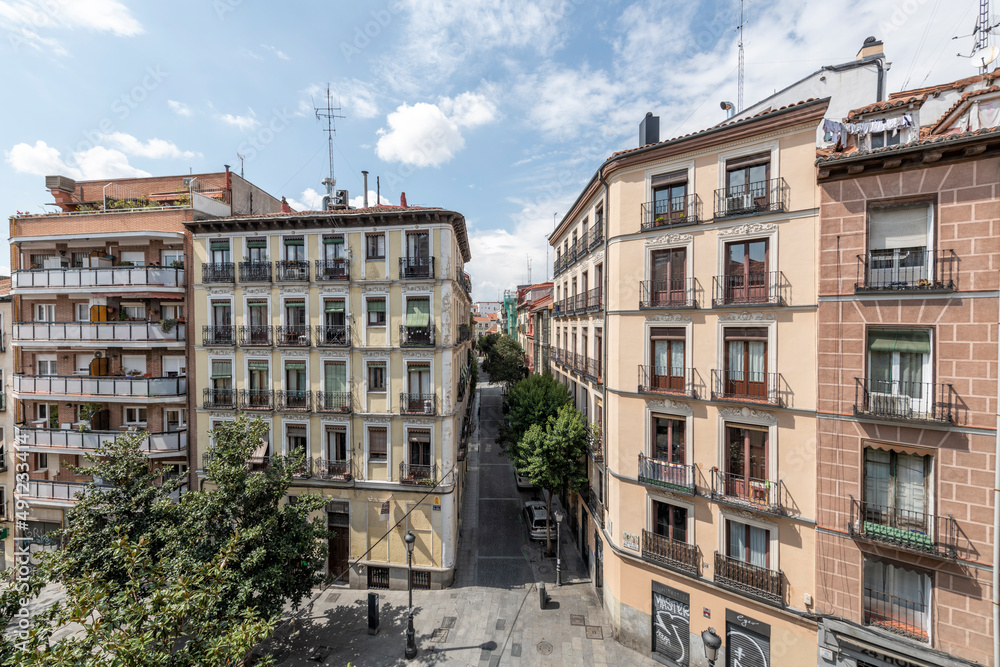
point(276, 51)
point(311, 201)
point(40, 160)
point(97, 162)
point(180, 108)
point(101, 162)
point(359, 201)
point(153, 148)
point(356, 98)
point(26, 20)
point(420, 135)
point(469, 109)
point(243, 123)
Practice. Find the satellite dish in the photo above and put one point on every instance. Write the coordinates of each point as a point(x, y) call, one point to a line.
point(983, 57)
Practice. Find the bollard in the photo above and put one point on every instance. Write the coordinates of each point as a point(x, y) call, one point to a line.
point(373, 613)
point(543, 597)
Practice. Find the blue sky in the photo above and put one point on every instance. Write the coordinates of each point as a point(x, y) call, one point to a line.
point(499, 109)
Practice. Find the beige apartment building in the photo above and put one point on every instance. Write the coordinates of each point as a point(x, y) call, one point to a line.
point(688, 331)
point(7, 460)
point(347, 333)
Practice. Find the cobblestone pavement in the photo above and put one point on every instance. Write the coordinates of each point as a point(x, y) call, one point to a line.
point(491, 616)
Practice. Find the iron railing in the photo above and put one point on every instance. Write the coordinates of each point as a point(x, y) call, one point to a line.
point(745, 386)
point(333, 335)
point(62, 491)
point(677, 477)
point(744, 289)
point(667, 293)
point(753, 580)
point(597, 234)
point(333, 269)
point(86, 385)
point(215, 399)
point(904, 401)
point(763, 495)
point(333, 401)
point(416, 267)
point(594, 300)
point(464, 333)
point(253, 335)
point(425, 475)
point(752, 198)
point(293, 400)
point(256, 399)
point(295, 335)
point(417, 404)
point(594, 371)
point(110, 332)
point(596, 507)
point(906, 270)
point(334, 471)
point(111, 276)
point(292, 270)
point(218, 335)
point(676, 555)
point(666, 380)
point(165, 442)
point(218, 272)
point(255, 272)
point(416, 336)
point(904, 529)
point(673, 212)
point(909, 618)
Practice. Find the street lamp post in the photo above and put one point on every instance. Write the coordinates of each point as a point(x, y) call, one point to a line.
point(713, 643)
point(559, 519)
point(411, 644)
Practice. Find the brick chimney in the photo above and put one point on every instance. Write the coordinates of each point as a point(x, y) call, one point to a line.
point(285, 208)
point(871, 48)
point(402, 199)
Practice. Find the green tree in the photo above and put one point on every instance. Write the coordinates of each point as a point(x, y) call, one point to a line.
point(486, 343)
point(556, 457)
point(531, 401)
point(505, 362)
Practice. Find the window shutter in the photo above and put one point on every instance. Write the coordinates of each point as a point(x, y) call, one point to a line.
point(748, 161)
point(417, 313)
point(376, 306)
point(673, 178)
point(894, 340)
point(256, 243)
point(661, 333)
point(219, 244)
point(898, 227)
point(222, 369)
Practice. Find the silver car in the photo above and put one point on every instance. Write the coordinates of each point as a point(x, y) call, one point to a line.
point(534, 516)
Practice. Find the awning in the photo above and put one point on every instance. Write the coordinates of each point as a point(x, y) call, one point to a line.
point(145, 295)
point(913, 450)
point(295, 365)
point(897, 340)
point(257, 365)
point(332, 239)
point(219, 244)
point(257, 243)
point(295, 240)
point(417, 313)
point(334, 307)
point(295, 303)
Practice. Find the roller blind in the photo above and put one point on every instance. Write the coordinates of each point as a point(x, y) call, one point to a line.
point(327, 240)
point(257, 365)
point(674, 177)
point(295, 365)
point(221, 244)
point(417, 313)
point(334, 307)
point(294, 240)
point(222, 369)
point(666, 333)
point(257, 243)
point(335, 376)
point(898, 227)
point(376, 306)
point(748, 161)
point(894, 340)
point(295, 303)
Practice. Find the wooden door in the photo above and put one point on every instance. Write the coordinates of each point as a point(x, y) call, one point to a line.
point(339, 557)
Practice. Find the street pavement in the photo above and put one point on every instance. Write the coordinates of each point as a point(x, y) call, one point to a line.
point(491, 616)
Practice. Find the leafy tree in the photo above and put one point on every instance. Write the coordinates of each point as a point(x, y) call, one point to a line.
point(556, 457)
point(505, 362)
point(531, 401)
point(486, 343)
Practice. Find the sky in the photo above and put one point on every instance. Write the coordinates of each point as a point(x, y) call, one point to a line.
point(501, 110)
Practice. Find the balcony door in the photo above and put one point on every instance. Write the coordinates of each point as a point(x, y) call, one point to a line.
point(748, 544)
point(899, 370)
point(896, 490)
point(219, 252)
point(669, 198)
point(259, 321)
point(222, 315)
point(419, 379)
point(670, 521)
point(746, 279)
point(746, 463)
point(222, 381)
point(420, 448)
point(295, 384)
point(335, 447)
point(667, 357)
point(668, 272)
point(747, 183)
point(295, 249)
point(669, 443)
point(257, 251)
point(418, 320)
point(259, 381)
point(335, 384)
point(745, 375)
point(898, 245)
point(295, 321)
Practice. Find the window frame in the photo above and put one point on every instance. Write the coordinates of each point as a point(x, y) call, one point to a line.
point(376, 366)
point(369, 428)
point(139, 410)
point(895, 366)
point(384, 313)
point(670, 502)
point(378, 238)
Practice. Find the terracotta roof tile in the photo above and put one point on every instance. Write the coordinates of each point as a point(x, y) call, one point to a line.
point(924, 141)
point(888, 104)
point(961, 100)
point(4, 285)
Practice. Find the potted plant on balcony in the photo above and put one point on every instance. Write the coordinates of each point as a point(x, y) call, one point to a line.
point(176, 264)
point(168, 325)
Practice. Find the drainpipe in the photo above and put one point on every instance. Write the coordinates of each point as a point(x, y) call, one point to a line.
point(880, 86)
point(604, 326)
point(996, 523)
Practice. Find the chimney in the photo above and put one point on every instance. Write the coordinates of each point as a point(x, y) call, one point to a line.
point(364, 177)
point(62, 189)
point(872, 48)
point(649, 129)
point(285, 208)
point(402, 199)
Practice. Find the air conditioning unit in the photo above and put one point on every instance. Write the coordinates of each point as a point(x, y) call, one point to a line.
point(189, 182)
point(891, 404)
point(737, 203)
point(428, 407)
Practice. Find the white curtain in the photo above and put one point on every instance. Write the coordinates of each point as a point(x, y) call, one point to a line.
point(677, 358)
point(661, 357)
point(758, 546)
point(877, 479)
point(757, 351)
point(910, 486)
point(737, 541)
point(736, 360)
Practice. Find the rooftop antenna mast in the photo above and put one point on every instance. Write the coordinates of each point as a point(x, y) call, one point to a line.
point(329, 112)
point(241, 157)
point(742, 64)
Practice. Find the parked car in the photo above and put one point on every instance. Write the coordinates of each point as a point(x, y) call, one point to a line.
point(534, 517)
point(523, 482)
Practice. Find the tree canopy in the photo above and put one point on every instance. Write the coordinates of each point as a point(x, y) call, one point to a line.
point(505, 361)
point(531, 401)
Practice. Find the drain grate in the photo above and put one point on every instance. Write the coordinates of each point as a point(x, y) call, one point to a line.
point(331, 598)
point(515, 650)
point(595, 632)
point(544, 647)
point(440, 635)
point(501, 622)
point(448, 622)
point(577, 619)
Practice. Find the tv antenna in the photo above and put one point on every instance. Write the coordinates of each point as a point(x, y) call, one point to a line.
point(241, 157)
point(982, 52)
point(742, 62)
point(329, 112)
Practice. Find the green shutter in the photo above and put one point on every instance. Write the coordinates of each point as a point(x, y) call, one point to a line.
point(257, 365)
point(222, 369)
point(295, 365)
point(327, 240)
point(376, 306)
point(417, 313)
point(256, 243)
point(335, 378)
point(894, 340)
point(334, 307)
point(295, 303)
point(220, 244)
point(256, 302)
point(295, 241)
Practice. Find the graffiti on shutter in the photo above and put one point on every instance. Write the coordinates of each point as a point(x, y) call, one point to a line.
point(671, 624)
point(748, 642)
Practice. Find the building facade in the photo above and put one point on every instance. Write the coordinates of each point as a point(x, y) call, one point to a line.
point(347, 333)
point(907, 442)
point(7, 459)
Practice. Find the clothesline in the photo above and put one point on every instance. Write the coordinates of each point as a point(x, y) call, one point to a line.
point(893, 124)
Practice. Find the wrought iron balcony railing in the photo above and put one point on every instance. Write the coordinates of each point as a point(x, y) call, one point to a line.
point(753, 580)
point(417, 404)
point(674, 212)
point(416, 268)
point(596, 507)
point(333, 269)
point(333, 335)
point(296, 335)
point(906, 270)
point(425, 475)
point(218, 335)
point(667, 293)
point(333, 401)
point(595, 300)
point(256, 335)
point(675, 555)
point(745, 386)
point(666, 380)
point(218, 272)
point(292, 270)
point(333, 471)
point(746, 289)
point(597, 235)
point(464, 333)
point(763, 495)
point(255, 272)
point(594, 371)
point(676, 477)
point(256, 399)
point(42, 489)
point(293, 400)
point(904, 401)
point(416, 336)
point(751, 198)
point(909, 618)
point(904, 529)
point(218, 399)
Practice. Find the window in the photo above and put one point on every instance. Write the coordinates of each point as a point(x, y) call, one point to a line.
point(257, 251)
point(899, 368)
point(745, 374)
point(175, 419)
point(746, 279)
point(45, 312)
point(295, 249)
point(334, 247)
point(173, 365)
point(418, 246)
point(334, 383)
point(375, 246)
point(420, 448)
point(898, 245)
point(79, 259)
point(336, 444)
point(897, 599)
point(376, 312)
point(748, 544)
point(259, 380)
point(295, 313)
point(886, 138)
point(222, 313)
point(83, 363)
point(172, 312)
point(134, 311)
point(418, 378)
point(669, 439)
point(666, 352)
point(134, 257)
point(747, 187)
point(42, 461)
point(46, 364)
point(669, 199)
point(668, 272)
point(135, 416)
point(82, 312)
point(376, 376)
point(896, 489)
point(377, 444)
point(172, 257)
point(222, 375)
point(219, 251)
point(136, 363)
point(670, 521)
point(295, 439)
point(295, 377)
point(747, 464)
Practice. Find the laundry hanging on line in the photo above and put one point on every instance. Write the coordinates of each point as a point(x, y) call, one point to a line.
point(879, 125)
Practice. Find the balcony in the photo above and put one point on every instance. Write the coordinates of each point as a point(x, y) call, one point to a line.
point(748, 579)
point(676, 477)
point(416, 474)
point(416, 336)
point(922, 402)
point(464, 333)
point(672, 380)
point(909, 618)
point(668, 293)
point(256, 399)
point(105, 333)
point(417, 404)
point(333, 335)
point(596, 507)
point(294, 400)
point(579, 364)
point(292, 271)
point(593, 371)
point(3, 408)
point(296, 335)
point(333, 269)
point(749, 289)
point(333, 471)
point(745, 387)
point(675, 212)
point(594, 300)
point(70, 440)
point(256, 335)
point(218, 399)
point(104, 388)
point(255, 272)
point(416, 268)
point(752, 198)
point(215, 336)
point(60, 492)
point(597, 235)
point(911, 270)
point(762, 495)
point(907, 530)
point(218, 272)
point(334, 401)
point(88, 278)
point(671, 553)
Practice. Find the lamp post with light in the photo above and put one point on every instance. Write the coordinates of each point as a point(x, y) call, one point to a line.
point(713, 643)
point(559, 519)
point(411, 644)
